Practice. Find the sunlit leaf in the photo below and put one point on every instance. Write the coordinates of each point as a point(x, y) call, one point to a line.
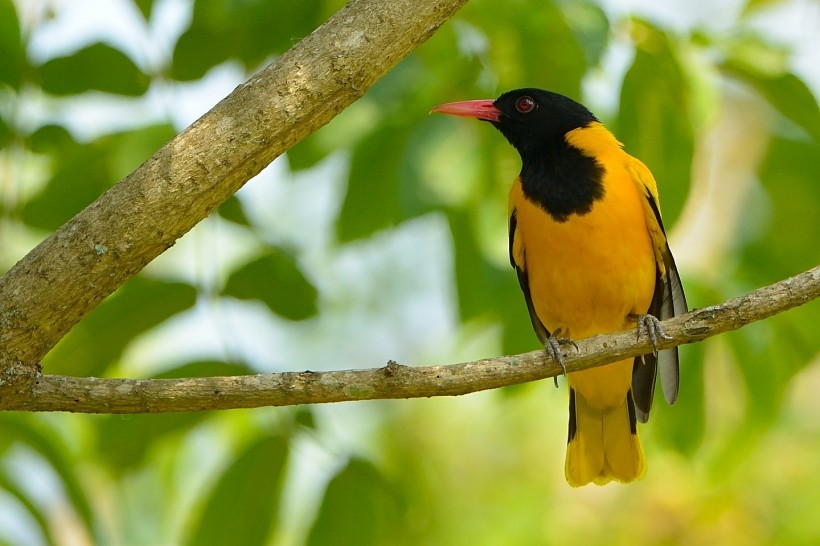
point(779, 227)
point(206, 368)
point(81, 174)
point(787, 220)
point(753, 6)
point(232, 211)
point(97, 67)
point(6, 133)
point(275, 279)
point(304, 417)
point(590, 25)
point(32, 432)
point(764, 381)
point(273, 27)
point(242, 507)
point(36, 513)
point(196, 52)
point(145, 7)
point(100, 338)
point(129, 149)
point(682, 426)
point(373, 201)
point(786, 92)
point(54, 140)
point(529, 46)
point(249, 31)
point(305, 154)
point(360, 508)
point(485, 290)
point(654, 117)
point(123, 441)
point(12, 52)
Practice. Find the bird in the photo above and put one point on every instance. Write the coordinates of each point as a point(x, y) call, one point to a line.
point(588, 245)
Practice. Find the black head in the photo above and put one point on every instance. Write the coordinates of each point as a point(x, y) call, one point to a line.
point(529, 118)
point(554, 174)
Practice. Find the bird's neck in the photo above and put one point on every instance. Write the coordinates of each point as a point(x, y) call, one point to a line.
point(561, 179)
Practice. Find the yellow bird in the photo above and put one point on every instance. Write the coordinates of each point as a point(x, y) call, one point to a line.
point(590, 251)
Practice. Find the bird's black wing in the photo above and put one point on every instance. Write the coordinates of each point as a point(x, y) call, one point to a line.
point(524, 282)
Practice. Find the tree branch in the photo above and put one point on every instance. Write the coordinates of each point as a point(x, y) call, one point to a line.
point(91, 395)
point(89, 257)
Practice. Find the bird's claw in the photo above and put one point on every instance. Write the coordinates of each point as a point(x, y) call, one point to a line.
point(651, 326)
point(553, 347)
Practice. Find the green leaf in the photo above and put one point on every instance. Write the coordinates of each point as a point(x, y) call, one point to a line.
point(530, 47)
point(248, 30)
point(233, 211)
point(306, 154)
point(243, 505)
point(98, 67)
point(360, 508)
point(127, 150)
point(81, 173)
point(786, 92)
point(6, 133)
point(145, 7)
point(780, 231)
point(486, 290)
point(654, 117)
point(764, 382)
point(54, 140)
point(753, 6)
point(12, 52)
point(787, 212)
point(196, 52)
point(206, 368)
point(123, 441)
point(276, 280)
point(683, 425)
point(303, 417)
point(590, 25)
point(273, 27)
point(7, 485)
point(373, 201)
point(98, 341)
point(32, 431)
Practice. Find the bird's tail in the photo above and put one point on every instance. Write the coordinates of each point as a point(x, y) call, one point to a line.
point(603, 444)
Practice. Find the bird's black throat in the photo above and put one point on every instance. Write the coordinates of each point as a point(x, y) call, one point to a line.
point(561, 179)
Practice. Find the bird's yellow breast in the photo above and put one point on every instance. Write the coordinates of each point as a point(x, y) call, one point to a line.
point(588, 273)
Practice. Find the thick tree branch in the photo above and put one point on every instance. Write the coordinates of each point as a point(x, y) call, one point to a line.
point(91, 395)
point(72, 271)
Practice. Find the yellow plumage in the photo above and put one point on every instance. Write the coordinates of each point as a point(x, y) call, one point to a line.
point(586, 275)
point(591, 255)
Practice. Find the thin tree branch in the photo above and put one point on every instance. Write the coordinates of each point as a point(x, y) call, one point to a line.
point(89, 257)
point(91, 395)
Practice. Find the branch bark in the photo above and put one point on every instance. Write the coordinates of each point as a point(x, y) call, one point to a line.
point(89, 257)
point(91, 395)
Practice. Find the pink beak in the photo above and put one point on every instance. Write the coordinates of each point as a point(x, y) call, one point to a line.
point(479, 109)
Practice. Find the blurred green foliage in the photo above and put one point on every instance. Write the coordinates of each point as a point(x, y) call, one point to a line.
point(733, 462)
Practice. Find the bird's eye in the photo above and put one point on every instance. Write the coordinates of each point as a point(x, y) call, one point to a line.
point(525, 105)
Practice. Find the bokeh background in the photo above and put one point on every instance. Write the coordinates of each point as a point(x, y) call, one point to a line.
point(383, 236)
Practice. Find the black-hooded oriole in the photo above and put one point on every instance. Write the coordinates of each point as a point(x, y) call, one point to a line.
point(590, 250)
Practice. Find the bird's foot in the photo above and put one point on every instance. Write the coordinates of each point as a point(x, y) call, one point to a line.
point(553, 348)
point(651, 326)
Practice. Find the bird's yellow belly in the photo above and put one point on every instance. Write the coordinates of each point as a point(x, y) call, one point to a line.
point(586, 276)
point(588, 273)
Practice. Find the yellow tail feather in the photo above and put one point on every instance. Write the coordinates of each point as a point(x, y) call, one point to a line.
point(603, 443)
